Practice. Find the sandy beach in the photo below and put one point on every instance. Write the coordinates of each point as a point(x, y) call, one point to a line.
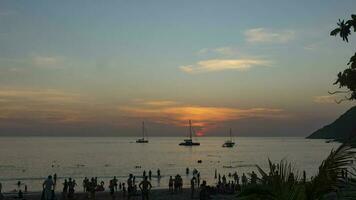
point(157, 194)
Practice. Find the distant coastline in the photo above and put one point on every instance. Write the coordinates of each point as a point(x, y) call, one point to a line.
point(341, 129)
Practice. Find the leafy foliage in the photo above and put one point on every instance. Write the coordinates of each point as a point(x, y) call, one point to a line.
point(282, 182)
point(347, 78)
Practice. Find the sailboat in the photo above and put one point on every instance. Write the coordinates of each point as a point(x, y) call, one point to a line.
point(229, 143)
point(142, 140)
point(189, 142)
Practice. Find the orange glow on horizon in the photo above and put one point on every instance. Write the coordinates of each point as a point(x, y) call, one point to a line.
point(203, 118)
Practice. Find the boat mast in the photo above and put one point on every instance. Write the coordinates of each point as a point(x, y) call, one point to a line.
point(143, 130)
point(230, 135)
point(190, 129)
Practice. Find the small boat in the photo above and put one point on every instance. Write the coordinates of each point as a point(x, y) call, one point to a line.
point(229, 143)
point(142, 140)
point(189, 141)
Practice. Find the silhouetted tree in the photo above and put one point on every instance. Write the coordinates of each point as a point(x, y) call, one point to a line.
point(346, 78)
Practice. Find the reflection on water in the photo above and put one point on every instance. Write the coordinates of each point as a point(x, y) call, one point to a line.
point(30, 159)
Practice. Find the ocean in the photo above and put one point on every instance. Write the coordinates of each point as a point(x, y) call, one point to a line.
point(31, 159)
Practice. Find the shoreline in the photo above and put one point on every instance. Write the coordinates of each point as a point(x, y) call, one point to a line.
point(155, 194)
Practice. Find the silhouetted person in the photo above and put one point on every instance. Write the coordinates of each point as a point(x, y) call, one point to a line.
point(130, 186)
point(123, 189)
point(216, 174)
point(85, 184)
point(192, 187)
point(198, 179)
point(47, 186)
point(253, 178)
point(112, 189)
point(145, 187)
point(150, 174)
point(203, 195)
point(71, 188)
point(91, 187)
point(170, 184)
point(236, 178)
point(65, 186)
point(20, 195)
point(187, 171)
point(158, 173)
point(115, 183)
point(244, 179)
point(55, 179)
point(1, 195)
point(224, 179)
point(144, 174)
point(291, 178)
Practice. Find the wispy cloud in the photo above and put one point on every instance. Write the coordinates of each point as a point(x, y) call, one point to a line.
point(203, 117)
point(43, 105)
point(224, 51)
point(263, 35)
point(223, 64)
point(324, 99)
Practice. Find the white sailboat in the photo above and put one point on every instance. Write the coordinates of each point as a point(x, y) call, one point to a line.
point(229, 143)
point(142, 140)
point(189, 141)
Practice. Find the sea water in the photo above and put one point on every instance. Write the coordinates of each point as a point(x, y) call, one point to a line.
point(31, 159)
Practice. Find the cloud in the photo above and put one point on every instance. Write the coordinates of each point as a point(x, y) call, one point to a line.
point(326, 99)
point(263, 35)
point(223, 64)
point(203, 117)
point(225, 51)
point(42, 105)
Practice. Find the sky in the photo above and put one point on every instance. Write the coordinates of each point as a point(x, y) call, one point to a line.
point(100, 68)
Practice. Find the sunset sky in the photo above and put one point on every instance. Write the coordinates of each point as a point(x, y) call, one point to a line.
point(99, 68)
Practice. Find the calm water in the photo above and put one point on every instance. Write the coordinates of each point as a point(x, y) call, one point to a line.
point(31, 159)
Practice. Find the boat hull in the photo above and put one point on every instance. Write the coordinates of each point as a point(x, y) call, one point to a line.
point(189, 144)
point(228, 145)
point(141, 141)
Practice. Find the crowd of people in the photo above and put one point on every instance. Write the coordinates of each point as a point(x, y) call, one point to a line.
point(231, 183)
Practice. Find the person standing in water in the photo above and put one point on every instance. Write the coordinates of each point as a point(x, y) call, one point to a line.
point(47, 186)
point(158, 173)
point(145, 187)
point(150, 174)
point(55, 179)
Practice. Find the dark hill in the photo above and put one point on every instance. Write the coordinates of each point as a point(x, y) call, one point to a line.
point(340, 129)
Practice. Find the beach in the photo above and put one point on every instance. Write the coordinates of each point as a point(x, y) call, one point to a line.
point(156, 194)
